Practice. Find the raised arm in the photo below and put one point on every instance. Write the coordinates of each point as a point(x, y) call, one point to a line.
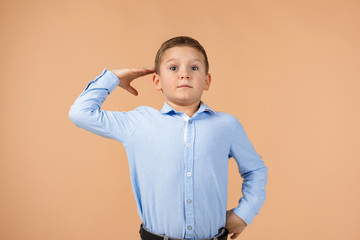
point(86, 111)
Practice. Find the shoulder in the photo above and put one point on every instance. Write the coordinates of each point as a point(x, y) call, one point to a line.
point(145, 111)
point(226, 117)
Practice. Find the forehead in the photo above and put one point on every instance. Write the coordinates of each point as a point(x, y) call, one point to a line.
point(182, 53)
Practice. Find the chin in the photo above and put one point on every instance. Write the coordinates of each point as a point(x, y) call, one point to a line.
point(185, 101)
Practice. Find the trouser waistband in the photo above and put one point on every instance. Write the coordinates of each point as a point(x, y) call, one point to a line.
point(147, 235)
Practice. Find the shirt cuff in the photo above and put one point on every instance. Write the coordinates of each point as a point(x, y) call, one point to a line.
point(107, 79)
point(112, 78)
point(245, 211)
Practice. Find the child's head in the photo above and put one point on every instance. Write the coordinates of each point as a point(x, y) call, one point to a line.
point(176, 42)
point(181, 71)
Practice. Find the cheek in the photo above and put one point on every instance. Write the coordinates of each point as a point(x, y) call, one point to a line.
point(165, 85)
point(201, 84)
point(170, 82)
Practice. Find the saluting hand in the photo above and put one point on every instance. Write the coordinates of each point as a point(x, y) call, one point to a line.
point(127, 75)
point(234, 224)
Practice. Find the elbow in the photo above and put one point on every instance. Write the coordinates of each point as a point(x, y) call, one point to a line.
point(260, 173)
point(75, 116)
point(81, 117)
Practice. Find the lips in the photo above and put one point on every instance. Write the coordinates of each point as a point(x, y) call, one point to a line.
point(184, 86)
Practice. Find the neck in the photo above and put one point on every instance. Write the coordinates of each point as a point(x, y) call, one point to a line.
point(189, 110)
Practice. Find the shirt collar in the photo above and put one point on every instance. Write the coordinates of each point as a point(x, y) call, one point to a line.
point(166, 109)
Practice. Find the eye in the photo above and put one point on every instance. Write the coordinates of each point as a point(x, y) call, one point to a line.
point(194, 68)
point(173, 68)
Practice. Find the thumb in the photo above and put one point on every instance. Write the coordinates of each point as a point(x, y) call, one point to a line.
point(235, 235)
point(131, 90)
point(228, 212)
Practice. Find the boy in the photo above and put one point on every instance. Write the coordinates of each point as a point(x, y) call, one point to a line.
point(178, 157)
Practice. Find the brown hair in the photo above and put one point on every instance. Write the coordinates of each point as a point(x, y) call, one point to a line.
point(180, 41)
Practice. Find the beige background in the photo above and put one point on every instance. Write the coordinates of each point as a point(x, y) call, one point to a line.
point(289, 70)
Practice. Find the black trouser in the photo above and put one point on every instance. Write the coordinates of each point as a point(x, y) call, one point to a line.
point(147, 235)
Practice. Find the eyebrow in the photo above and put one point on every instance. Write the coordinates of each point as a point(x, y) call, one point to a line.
point(171, 59)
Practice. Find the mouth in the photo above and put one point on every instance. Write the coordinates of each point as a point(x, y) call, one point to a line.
point(184, 86)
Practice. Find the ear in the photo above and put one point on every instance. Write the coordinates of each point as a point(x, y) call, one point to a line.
point(207, 82)
point(156, 81)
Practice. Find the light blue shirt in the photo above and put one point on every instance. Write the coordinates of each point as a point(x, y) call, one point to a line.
point(178, 165)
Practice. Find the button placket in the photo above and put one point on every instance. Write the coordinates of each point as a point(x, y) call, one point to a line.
point(189, 186)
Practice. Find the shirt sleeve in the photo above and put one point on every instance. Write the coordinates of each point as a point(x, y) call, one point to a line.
point(254, 173)
point(86, 111)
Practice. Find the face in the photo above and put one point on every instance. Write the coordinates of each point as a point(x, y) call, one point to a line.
point(182, 77)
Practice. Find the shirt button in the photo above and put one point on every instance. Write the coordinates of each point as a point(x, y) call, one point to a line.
point(189, 201)
point(188, 174)
point(189, 227)
point(190, 121)
point(188, 145)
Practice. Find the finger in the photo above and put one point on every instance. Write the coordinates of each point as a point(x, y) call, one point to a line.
point(147, 71)
point(144, 70)
point(151, 69)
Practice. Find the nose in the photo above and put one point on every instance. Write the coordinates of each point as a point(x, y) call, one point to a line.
point(184, 74)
